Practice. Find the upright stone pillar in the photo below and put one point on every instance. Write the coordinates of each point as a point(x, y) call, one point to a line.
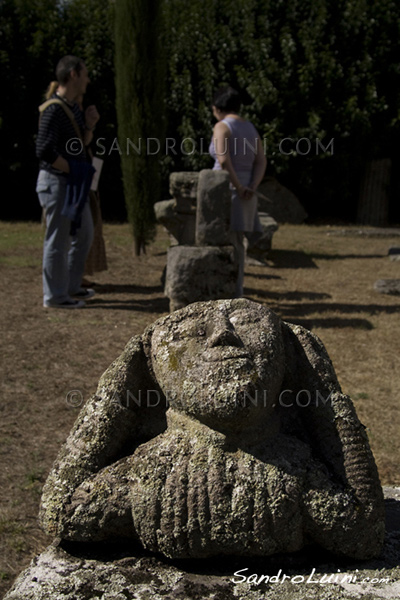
point(213, 209)
point(207, 270)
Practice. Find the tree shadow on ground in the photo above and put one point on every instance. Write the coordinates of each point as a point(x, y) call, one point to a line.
point(261, 275)
point(151, 305)
point(291, 259)
point(299, 313)
point(112, 288)
point(295, 295)
point(295, 259)
point(336, 307)
point(332, 323)
point(346, 256)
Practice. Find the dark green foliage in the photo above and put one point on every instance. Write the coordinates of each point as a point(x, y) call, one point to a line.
point(23, 62)
point(140, 106)
point(313, 69)
point(34, 35)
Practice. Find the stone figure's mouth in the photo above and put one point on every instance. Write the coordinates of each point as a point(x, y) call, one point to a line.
point(222, 354)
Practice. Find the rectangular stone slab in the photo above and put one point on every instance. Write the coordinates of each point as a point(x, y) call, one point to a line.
point(213, 209)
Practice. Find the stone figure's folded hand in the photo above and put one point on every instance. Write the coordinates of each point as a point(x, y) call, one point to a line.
point(235, 465)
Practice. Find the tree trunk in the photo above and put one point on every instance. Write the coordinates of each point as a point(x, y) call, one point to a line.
point(140, 77)
point(373, 204)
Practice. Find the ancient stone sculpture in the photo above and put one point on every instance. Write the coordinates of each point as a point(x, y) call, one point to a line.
point(201, 263)
point(259, 451)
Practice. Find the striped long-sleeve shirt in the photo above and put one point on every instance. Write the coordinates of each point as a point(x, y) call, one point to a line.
point(57, 136)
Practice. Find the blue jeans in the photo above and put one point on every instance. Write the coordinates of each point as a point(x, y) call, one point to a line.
point(63, 256)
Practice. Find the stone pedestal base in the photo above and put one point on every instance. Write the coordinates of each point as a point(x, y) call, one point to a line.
point(196, 273)
point(213, 209)
point(263, 245)
point(112, 572)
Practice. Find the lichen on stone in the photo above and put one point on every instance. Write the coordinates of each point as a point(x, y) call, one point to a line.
point(229, 468)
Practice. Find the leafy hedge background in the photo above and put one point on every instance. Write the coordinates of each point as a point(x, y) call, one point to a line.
point(308, 69)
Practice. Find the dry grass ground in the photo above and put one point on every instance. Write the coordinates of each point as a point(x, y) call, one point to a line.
point(314, 277)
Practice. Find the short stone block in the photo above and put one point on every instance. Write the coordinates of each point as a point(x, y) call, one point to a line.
point(180, 226)
point(183, 187)
point(388, 286)
point(263, 245)
point(197, 273)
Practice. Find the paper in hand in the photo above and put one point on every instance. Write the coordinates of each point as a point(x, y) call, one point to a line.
point(98, 165)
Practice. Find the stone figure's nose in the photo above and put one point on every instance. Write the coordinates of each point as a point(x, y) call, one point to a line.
point(224, 334)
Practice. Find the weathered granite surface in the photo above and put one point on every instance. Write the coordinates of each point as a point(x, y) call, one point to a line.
point(388, 286)
point(218, 446)
point(181, 227)
point(198, 272)
point(178, 215)
point(199, 215)
point(258, 453)
point(118, 572)
point(263, 245)
point(213, 211)
point(183, 187)
point(394, 253)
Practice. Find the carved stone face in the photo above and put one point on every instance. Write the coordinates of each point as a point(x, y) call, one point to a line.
point(222, 363)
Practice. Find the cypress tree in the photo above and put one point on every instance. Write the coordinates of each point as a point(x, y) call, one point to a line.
point(140, 79)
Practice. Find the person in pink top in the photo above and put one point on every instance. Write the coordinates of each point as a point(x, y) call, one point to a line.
point(237, 148)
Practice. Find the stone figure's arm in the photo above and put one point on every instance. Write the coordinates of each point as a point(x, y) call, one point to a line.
point(339, 441)
point(346, 515)
point(111, 424)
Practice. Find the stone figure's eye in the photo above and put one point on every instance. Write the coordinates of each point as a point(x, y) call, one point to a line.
point(201, 332)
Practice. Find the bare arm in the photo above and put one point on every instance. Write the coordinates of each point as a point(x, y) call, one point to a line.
point(221, 144)
point(61, 164)
point(259, 167)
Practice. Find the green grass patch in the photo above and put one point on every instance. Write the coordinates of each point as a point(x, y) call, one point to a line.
point(11, 527)
point(361, 396)
point(20, 261)
point(20, 236)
